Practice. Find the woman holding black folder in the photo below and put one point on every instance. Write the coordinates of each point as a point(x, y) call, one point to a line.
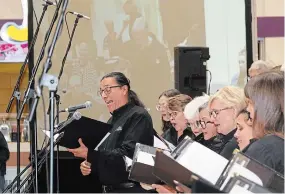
point(131, 124)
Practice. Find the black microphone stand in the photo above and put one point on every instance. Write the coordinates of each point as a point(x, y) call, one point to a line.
point(16, 94)
point(57, 97)
point(29, 92)
point(39, 165)
point(51, 82)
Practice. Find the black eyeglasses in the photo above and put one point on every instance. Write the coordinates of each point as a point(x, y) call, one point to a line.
point(173, 114)
point(107, 90)
point(204, 123)
point(196, 124)
point(214, 113)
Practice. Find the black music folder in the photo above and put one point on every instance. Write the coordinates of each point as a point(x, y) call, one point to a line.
point(92, 133)
point(142, 165)
point(168, 170)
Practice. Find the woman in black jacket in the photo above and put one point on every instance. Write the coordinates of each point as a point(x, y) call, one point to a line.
point(265, 97)
point(169, 132)
point(223, 108)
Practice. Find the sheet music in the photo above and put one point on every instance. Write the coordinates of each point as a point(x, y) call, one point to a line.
point(239, 190)
point(107, 135)
point(145, 158)
point(242, 171)
point(203, 162)
point(128, 161)
point(48, 134)
point(157, 143)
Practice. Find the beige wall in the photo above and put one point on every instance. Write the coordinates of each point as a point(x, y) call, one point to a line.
point(266, 8)
point(11, 10)
point(274, 47)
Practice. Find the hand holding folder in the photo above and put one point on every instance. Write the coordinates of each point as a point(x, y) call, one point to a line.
point(89, 130)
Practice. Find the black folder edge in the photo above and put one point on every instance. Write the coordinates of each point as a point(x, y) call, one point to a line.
point(242, 181)
point(140, 172)
point(249, 159)
point(167, 166)
point(91, 134)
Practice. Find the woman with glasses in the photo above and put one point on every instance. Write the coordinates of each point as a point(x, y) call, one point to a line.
point(209, 130)
point(265, 99)
point(131, 124)
point(191, 113)
point(176, 107)
point(223, 108)
point(169, 132)
point(244, 133)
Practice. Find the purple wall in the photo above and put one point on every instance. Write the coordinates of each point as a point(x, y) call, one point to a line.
point(270, 27)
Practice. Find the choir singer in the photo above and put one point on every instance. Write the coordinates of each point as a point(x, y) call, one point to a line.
point(131, 124)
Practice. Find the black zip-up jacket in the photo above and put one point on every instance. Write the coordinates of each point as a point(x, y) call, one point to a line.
point(4, 154)
point(130, 125)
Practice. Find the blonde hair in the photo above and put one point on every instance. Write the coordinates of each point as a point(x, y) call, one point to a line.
point(232, 96)
point(178, 102)
point(192, 108)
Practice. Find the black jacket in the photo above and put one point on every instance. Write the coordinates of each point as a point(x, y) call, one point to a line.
point(269, 151)
point(130, 125)
point(251, 141)
point(171, 135)
point(214, 144)
point(4, 154)
point(229, 144)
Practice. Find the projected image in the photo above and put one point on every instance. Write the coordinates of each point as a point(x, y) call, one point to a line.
point(136, 37)
point(14, 31)
point(145, 32)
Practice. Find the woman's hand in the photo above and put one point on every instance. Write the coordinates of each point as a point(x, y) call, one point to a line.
point(163, 189)
point(85, 168)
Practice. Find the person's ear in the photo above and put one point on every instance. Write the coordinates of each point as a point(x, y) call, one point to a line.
point(125, 90)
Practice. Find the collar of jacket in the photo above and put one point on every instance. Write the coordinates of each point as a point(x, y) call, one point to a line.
point(122, 109)
point(229, 136)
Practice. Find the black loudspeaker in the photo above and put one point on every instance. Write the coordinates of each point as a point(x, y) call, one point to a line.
point(190, 70)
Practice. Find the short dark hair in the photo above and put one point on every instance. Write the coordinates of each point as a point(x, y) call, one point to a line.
point(122, 80)
point(266, 91)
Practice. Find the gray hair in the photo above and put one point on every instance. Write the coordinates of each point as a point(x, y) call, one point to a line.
point(192, 109)
point(204, 106)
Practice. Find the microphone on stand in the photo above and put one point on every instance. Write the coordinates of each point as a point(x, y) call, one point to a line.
point(76, 116)
point(70, 109)
point(50, 2)
point(80, 15)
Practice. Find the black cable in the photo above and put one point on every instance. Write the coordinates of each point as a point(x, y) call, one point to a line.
point(209, 86)
point(65, 19)
point(35, 16)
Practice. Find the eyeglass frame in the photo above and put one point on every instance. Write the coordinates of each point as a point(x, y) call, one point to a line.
point(158, 106)
point(217, 112)
point(206, 122)
point(108, 91)
point(197, 124)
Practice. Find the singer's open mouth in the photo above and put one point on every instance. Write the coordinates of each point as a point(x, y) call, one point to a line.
point(109, 102)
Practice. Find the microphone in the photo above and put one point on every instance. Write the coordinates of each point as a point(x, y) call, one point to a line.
point(48, 2)
point(80, 15)
point(76, 116)
point(87, 104)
